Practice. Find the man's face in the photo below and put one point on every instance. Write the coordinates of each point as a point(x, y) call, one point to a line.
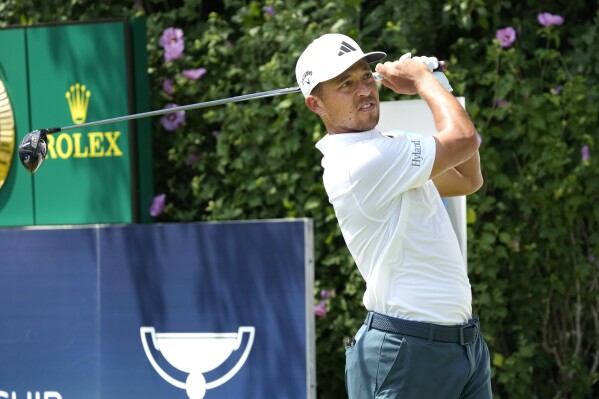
point(350, 102)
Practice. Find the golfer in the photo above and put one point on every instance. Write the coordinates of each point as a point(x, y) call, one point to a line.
point(420, 339)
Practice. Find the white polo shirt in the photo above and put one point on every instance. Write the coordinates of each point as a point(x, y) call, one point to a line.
point(396, 226)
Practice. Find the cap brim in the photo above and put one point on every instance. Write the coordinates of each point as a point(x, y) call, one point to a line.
point(369, 57)
point(374, 56)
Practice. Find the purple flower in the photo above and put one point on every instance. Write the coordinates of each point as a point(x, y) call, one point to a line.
point(324, 294)
point(157, 205)
point(192, 158)
point(557, 89)
point(585, 154)
point(172, 43)
point(591, 258)
point(194, 74)
point(547, 19)
point(172, 120)
point(229, 44)
point(215, 134)
point(506, 36)
point(167, 86)
point(501, 103)
point(320, 310)
point(269, 10)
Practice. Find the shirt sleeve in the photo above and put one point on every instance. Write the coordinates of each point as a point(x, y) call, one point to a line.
point(383, 168)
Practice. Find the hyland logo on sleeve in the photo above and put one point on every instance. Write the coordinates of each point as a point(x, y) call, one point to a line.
point(7, 134)
point(417, 153)
point(75, 145)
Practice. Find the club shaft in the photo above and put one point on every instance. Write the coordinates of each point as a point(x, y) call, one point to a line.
point(263, 94)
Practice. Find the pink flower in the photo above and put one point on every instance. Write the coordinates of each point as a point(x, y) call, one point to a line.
point(157, 205)
point(173, 120)
point(324, 294)
point(557, 89)
point(501, 103)
point(167, 86)
point(192, 158)
point(194, 74)
point(585, 154)
point(172, 43)
point(506, 36)
point(547, 19)
point(320, 310)
point(269, 10)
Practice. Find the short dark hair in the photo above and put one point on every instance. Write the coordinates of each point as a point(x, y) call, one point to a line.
point(318, 91)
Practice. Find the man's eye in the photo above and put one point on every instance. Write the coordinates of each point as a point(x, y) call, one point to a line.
point(368, 75)
point(346, 84)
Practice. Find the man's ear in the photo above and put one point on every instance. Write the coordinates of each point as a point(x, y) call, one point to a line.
point(316, 105)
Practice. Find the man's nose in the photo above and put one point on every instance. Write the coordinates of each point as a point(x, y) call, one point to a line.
point(364, 88)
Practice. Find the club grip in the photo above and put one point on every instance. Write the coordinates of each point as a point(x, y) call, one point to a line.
point(441, 68)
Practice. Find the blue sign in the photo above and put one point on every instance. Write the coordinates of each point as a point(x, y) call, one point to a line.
point(199, 310)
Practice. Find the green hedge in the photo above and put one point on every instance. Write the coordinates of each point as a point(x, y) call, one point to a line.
point(532, 237)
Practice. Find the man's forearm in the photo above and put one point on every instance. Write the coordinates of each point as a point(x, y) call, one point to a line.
point(462, 179)
point(448, 114)
point(470, 168)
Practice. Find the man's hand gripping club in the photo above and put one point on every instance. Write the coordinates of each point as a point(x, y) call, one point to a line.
point(431, 64)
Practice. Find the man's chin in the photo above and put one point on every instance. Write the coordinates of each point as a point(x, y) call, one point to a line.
point(363, 125)
point(372, 122)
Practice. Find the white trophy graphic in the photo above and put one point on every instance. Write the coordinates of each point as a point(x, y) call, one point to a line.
point(197, 353)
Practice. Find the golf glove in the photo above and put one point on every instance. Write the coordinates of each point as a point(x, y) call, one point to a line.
point(431, 63)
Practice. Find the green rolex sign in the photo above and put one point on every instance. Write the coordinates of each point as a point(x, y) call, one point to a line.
point(73, 73)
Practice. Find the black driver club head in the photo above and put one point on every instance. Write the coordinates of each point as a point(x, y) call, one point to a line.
point(33, 148)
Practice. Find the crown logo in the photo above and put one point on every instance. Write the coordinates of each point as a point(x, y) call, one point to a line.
point(78, 99)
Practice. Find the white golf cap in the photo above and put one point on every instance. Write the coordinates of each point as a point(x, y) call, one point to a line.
point(327, 57)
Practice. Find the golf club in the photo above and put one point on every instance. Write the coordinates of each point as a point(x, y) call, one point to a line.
point(33, 148)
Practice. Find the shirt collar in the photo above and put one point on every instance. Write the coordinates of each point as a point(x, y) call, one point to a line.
point(338, 140)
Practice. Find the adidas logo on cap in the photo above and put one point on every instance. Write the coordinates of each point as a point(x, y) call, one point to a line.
point(345, 48)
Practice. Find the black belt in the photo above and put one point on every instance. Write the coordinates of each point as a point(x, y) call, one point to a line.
point(460, 334)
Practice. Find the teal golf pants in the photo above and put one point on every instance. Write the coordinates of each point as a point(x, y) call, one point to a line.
point(391, 365)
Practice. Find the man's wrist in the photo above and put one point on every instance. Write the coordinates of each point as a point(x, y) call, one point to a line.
point(427, 84)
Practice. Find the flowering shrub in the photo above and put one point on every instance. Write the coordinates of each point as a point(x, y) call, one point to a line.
point(320, 309)
point(167, 86)
point(172, 43)
point(172, 120)
point(547, 19)
point(529, 77)
point(157, 205)
point(506, 36)
point(532, 242)
point(269, 10)
point(194, 74)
